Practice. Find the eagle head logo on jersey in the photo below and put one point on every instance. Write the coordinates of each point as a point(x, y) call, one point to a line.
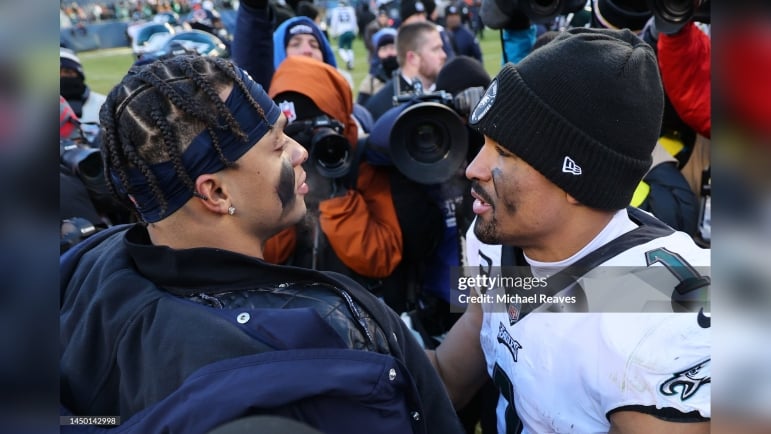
point(689, 381)
point(505, 338)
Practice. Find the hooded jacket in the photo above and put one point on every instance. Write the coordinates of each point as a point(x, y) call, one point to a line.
point(279, 45)
point(362, 226)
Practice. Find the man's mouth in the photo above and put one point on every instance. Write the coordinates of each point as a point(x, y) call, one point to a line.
point(482, 203)
point(302, 187)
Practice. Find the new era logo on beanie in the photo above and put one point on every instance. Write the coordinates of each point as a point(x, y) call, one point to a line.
point(570, 166)
point(594, 95)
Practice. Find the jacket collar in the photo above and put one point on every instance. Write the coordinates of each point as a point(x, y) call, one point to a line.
point(192, 271)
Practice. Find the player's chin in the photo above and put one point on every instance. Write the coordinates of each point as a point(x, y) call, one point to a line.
point(298, 209)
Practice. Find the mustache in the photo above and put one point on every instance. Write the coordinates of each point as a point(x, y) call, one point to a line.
point(476, 188)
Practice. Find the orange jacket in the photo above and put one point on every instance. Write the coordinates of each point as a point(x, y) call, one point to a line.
point(361, 227)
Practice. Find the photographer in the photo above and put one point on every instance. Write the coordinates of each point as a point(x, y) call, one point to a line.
point(351, 226)
point(434, 236)
point(674, 187)
point(85, 204)
point(425, 139)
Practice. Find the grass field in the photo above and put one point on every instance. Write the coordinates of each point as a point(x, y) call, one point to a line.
point(105, 68)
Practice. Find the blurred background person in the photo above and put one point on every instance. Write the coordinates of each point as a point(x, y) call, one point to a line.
point(381, 21)
point(300, 36)
point(351, 226)
point(411, 11)
point(382, 66)
point(343, 26)
point(420, 55)
point(462, 40)
point(85, 103)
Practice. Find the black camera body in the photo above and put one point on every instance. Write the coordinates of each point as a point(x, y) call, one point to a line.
point(429, 139)
point(499, 14)
point(327, 148)
point(86, 163)
point(672, 15)
point(83, 161)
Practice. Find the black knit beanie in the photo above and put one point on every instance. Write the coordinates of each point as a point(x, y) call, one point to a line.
point(584, 110)
point(460, 73)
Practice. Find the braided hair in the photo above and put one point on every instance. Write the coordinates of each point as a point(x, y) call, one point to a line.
point(156, 111)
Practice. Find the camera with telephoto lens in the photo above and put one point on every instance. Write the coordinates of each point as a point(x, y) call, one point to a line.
point(85, 162)
point(428, 141)
point(499, 14)
point(672, 15)
point(669, 15)
point(327, 148)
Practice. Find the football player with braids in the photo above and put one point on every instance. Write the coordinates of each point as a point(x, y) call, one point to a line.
point(176, 324)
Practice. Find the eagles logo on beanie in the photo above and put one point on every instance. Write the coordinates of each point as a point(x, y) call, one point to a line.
point(584, 110)
point(300, 28)
point(408, 8)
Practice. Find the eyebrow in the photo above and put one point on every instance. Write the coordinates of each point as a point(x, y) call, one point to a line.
point(504, 151)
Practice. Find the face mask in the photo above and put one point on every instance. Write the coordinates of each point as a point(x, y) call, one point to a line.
point(390, 64)
point(72, 87)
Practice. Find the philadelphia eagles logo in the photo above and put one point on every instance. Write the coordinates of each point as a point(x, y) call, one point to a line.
point(505, 338)
point(688, 381)
point(484, 105)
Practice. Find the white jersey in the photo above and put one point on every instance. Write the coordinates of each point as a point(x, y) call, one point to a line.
point(341, 20)
point(89, 117)
point(567, 372)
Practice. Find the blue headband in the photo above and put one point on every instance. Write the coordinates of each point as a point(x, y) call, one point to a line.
point(201, 157)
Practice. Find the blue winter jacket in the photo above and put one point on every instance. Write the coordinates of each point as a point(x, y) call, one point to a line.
point(183, 341)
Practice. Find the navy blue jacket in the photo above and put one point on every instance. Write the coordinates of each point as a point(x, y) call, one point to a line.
point(176, 339)
point(464, 43)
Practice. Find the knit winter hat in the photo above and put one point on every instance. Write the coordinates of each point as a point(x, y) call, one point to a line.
point(584, 110)
point(620, 14)
point(460, 73)
point(408, 8)
point(384, 36)
point(301, 28)
point(68, 59)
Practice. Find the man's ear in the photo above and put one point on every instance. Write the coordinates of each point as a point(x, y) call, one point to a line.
point(212, 194)
point(571, 200)
point(411, 57)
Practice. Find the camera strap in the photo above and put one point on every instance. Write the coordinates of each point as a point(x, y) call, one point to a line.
point(353, 174)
